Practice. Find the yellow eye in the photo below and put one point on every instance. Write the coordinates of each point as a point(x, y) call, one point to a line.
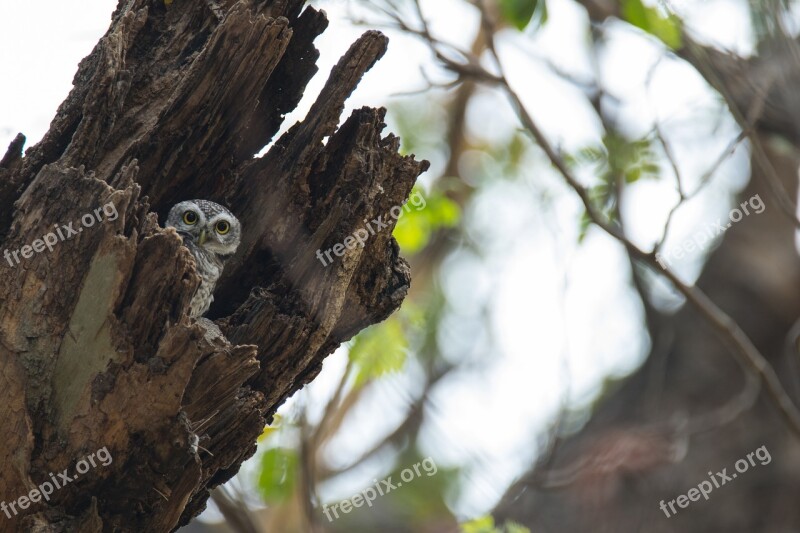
point(190, 217)
point(223, 227)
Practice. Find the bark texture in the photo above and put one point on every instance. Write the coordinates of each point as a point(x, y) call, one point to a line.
point(95, 346)
point(687, 413)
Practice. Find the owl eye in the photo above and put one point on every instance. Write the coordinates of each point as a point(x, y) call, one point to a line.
point(223, 227)
point(190, 217)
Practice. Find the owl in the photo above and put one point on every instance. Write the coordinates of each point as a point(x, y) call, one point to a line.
point(212, 234)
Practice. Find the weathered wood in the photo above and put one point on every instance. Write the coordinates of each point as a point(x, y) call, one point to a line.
point(95, 346)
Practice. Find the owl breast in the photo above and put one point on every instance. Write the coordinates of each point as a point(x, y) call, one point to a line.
point(212, 234)
point(209, 267)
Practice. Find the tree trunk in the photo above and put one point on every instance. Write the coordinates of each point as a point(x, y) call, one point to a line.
point(96, 350)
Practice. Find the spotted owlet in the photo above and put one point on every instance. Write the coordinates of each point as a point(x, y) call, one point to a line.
point(212, 235)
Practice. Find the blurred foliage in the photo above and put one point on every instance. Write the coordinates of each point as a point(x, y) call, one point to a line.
point(277, 423)
point(378, 350)
point(278, 474)
point(665, 27)
point(520, 13)
point(426, 498)
point(620, 157)
point(485, 524)
point(515, 151)
point(415, 228)
point(615, 162)
point(421, 125)
point(765, 16)
point(416, 502)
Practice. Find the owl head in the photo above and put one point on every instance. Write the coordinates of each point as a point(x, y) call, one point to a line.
point(207, 224)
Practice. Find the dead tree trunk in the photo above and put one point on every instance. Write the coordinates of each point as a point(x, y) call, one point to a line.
point(95, 346)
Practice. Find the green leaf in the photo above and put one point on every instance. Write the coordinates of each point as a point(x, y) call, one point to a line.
point(633, 174)
point(591, 154)
point(513, 527)
point(278, 474)
point(516, 150)
point(412, 233)
point(519, 13)
point(583, 226)
point(271, 429)
point(483, 524)
point(444, 212)
point(415, 228)
point(667, 28)
point(378, 350)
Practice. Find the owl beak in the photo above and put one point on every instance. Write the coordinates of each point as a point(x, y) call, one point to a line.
point(203, 236)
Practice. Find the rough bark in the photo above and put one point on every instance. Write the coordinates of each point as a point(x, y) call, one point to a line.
point(95, 346)
point(683, 413)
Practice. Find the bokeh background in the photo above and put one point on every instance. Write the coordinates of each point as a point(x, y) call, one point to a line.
point(522, 316)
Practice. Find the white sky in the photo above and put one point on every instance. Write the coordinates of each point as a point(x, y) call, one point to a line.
point(563, 315)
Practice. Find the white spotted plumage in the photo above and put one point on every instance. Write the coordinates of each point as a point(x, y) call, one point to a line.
point(212, 234)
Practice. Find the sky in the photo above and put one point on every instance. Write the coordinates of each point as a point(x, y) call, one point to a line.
point(563, 316)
